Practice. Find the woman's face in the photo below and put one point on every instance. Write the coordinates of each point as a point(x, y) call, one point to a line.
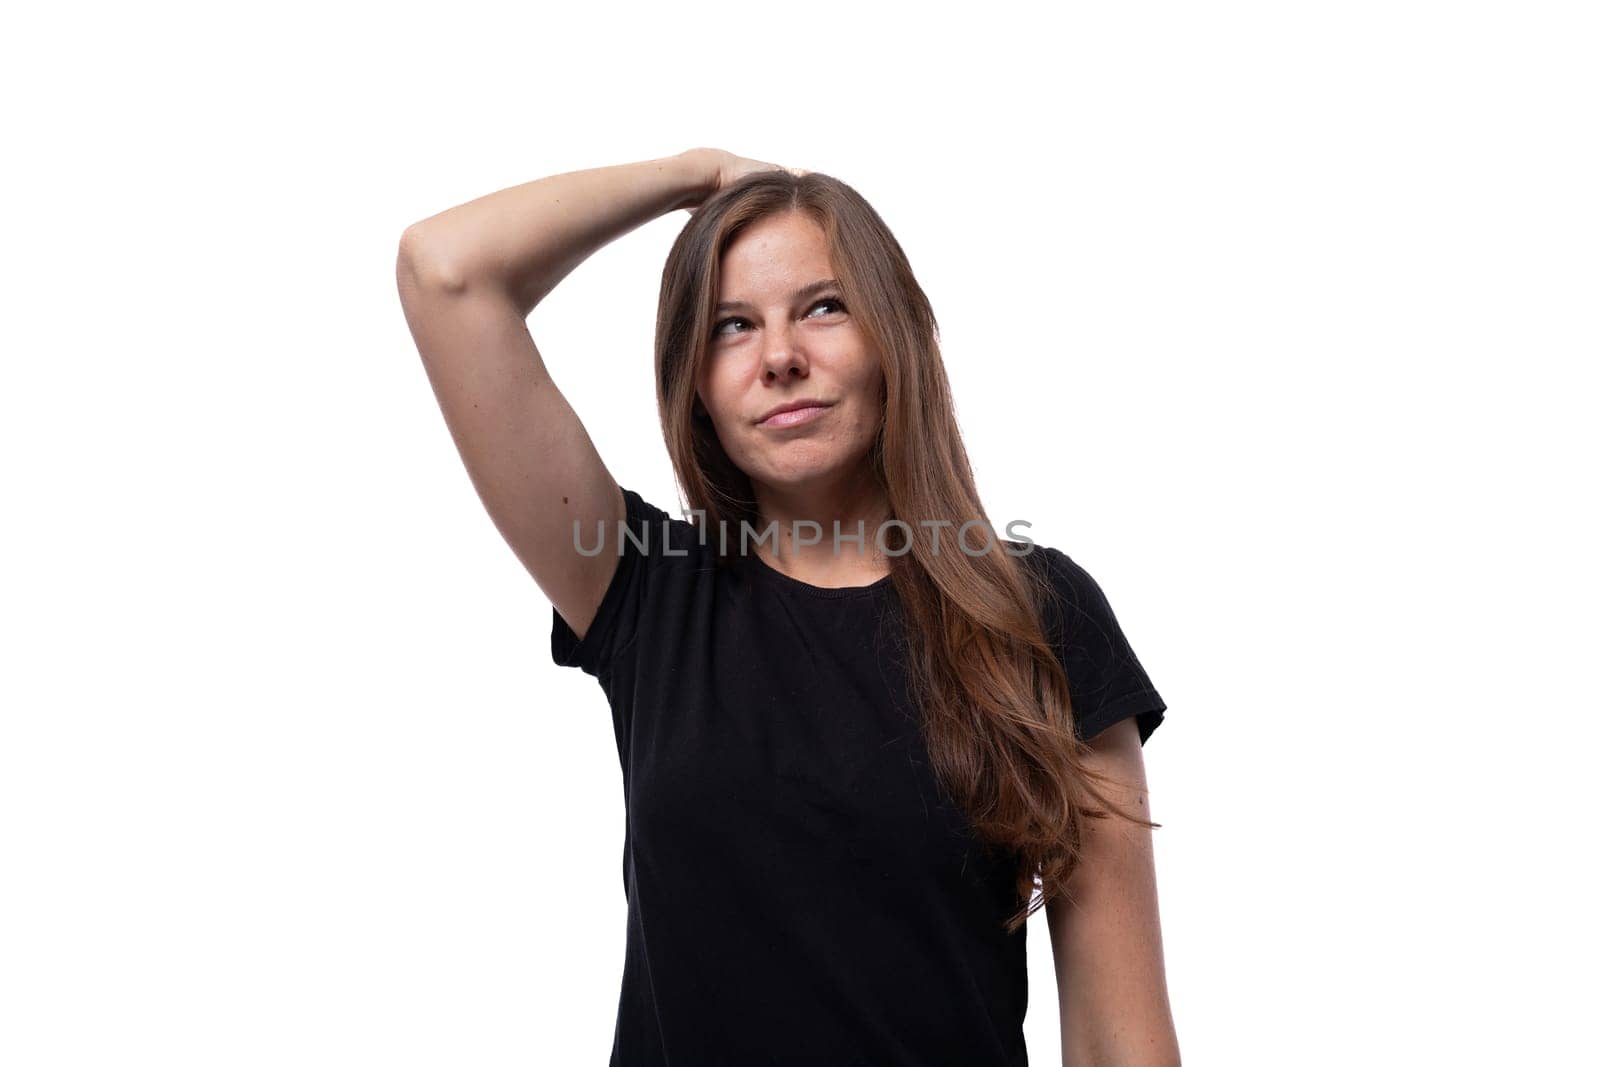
point(781, 338)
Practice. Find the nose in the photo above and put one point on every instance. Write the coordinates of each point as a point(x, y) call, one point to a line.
point(783, 355)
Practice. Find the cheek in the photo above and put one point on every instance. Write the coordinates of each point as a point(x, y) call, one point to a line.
point(710, 390)
point(869, 384)
point(720, 399)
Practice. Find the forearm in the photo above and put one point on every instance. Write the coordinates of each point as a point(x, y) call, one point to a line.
point(527, 238)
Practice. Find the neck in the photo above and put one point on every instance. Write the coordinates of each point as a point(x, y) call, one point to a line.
point(853, 500)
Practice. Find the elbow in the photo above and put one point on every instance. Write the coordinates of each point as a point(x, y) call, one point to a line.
point(1153, 1053)
point(418, 265)
point(1139, 1059)
point(1145, 1041)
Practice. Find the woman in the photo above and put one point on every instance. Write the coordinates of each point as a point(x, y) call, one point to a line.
point(859, 753)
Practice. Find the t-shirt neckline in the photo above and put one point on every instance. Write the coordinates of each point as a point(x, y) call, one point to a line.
point(777, 577)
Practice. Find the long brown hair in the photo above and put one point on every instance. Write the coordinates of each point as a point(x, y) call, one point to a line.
point(997, 714)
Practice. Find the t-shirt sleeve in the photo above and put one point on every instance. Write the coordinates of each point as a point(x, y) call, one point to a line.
point(1106, 680)
point(622, 609)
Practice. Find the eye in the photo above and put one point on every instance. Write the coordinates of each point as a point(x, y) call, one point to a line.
point(718, 331)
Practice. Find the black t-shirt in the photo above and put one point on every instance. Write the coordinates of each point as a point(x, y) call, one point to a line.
point(799, 891)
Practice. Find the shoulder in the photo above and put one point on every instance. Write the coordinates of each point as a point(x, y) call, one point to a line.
point(652, 531)
point(1069, 596)
point(1062, 570)
point(1052, 568)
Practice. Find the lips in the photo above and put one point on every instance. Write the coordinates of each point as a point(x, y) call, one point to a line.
point(793, 413)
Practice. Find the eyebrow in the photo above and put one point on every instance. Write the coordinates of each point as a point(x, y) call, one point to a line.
point(799, 294)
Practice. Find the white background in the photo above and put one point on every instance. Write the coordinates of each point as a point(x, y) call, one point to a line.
point(1279, 318)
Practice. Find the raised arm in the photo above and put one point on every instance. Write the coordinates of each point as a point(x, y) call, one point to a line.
point(1110, 972)
point(468, 278)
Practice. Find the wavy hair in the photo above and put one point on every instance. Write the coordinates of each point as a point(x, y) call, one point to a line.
point(996, 710)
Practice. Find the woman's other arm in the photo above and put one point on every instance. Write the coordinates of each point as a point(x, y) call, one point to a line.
point(1110, 972)
point(468, 278)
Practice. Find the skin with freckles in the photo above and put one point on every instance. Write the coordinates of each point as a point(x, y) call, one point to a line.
point(778, 338)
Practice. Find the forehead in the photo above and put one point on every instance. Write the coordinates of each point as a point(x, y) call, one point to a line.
point(777, 253)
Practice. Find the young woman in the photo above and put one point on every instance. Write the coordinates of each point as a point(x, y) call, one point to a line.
point(862, 740)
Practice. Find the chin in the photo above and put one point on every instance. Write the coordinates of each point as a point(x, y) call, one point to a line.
point(796, 471)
